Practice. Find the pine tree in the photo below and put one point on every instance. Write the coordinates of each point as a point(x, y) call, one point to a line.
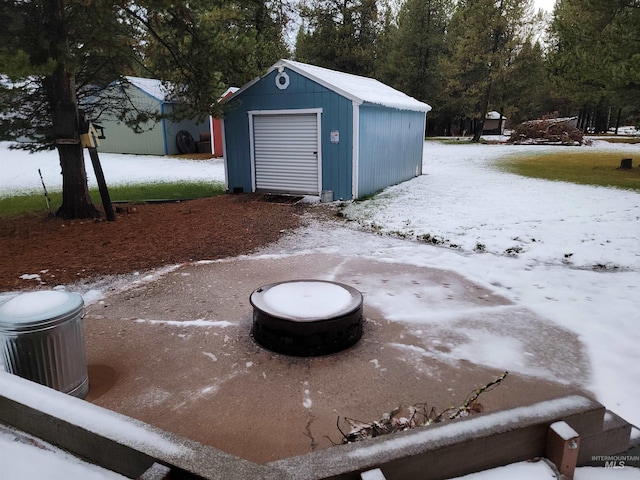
point(594, 55)
point(339, 34)
point(57, 55)
point(52, 52)
point(412, 62)
point(526, 89)
point(484, 36)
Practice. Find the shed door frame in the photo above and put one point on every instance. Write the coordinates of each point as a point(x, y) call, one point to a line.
point(300, 111)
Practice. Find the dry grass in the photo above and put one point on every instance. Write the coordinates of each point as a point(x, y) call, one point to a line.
point(590, 168)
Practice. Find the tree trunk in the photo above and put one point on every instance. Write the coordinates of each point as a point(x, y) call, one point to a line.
point(76, 202)
point(483, 113)
point(60, 89)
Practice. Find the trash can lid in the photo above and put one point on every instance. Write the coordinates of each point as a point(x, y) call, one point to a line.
point(38, 309)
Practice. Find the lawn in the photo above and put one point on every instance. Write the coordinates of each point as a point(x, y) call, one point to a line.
point(137, 193)
point(589, 168)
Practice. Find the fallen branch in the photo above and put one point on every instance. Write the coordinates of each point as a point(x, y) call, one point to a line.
point(417, 415)
point(470, 403)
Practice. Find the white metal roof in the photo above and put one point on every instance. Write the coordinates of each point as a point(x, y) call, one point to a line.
point(152, 86)
point(356, 88)
point(495, 116)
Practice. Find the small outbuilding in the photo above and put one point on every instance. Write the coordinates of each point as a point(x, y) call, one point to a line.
point(494, 123)
point(158, 135)
point(216, 127)
point(307, 130)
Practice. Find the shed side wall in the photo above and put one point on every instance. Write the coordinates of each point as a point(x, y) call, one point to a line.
point(391, 143)
point(121, 139)
point(156, 138)
point(301, 93)
point(172, 128)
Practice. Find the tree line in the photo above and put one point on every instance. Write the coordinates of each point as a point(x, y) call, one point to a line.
point(463, 57)
point(467, 57)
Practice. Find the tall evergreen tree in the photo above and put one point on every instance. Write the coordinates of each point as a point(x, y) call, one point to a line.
point(52, 52)
point(57, 54)
point(339, 34)
point(526, 90)
point(206, 45)
point(595, 52)
point(415, 47)
point(484, 36)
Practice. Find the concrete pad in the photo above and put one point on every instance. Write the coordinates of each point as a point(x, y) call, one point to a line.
point(177, 353)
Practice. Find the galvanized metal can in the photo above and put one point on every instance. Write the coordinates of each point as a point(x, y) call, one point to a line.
point(42, 339)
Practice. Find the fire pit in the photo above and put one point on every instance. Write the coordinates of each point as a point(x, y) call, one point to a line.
point(307, 317)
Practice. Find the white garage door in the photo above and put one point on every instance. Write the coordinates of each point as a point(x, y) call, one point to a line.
point(286, 153)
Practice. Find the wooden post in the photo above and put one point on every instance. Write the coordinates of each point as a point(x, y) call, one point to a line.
point(89, 140)
point(563, 444)
point(156, 472)
point(372, 475)
point(102, 184)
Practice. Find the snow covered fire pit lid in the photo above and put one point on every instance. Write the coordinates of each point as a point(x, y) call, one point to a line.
point(306, 300)
point(307, 317)
point(38, 309)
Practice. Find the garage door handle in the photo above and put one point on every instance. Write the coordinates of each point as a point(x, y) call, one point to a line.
point(315, 153)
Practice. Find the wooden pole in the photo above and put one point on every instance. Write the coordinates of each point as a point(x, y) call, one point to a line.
point(102, 184)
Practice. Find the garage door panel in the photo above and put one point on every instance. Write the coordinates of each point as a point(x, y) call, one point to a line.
point(286, 152)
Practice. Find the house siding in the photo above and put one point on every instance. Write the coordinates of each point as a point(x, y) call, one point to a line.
point(156, 138)
point(301, 93)
point(171, 129)
point(121, 139)
point(391, 143)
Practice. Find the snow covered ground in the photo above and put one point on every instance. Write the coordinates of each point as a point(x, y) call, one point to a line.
point(19, 170)
point(566, 252)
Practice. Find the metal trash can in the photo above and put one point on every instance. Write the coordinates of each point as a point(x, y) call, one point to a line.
point(326, 196)
point(42, 339)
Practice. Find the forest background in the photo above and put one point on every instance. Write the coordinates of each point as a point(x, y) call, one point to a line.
point(462, 57)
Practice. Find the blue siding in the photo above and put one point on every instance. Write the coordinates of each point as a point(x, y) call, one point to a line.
point(390, 147)
point(302, 93)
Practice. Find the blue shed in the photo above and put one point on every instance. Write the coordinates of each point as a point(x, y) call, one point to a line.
point(302, 129)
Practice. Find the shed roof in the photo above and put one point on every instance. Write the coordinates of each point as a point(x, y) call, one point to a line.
point(495, 116)
point(354, 87)
point(151, 86)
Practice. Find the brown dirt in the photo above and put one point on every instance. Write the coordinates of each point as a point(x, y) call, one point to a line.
point(142, 237)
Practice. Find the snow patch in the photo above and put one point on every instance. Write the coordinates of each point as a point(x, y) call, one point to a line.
point(306, 299)
point(188, 323)
point(88, 416)
point(478, 424)
point(563, 430)
point(211, 356)
point(35, 304)
point(21, 459)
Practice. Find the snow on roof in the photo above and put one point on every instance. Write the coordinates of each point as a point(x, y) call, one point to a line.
point(358, 89)
point(229, 91)
point(158, 90)
point(495, 116)
point(354, 87)
point(152, 86)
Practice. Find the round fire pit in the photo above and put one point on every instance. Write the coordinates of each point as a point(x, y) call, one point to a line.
point(307, 317)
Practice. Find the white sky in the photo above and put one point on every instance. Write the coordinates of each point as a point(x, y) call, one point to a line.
point(546, 4)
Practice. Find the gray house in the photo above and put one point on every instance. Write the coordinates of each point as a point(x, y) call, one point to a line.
point(302, 129)
point(156, 137)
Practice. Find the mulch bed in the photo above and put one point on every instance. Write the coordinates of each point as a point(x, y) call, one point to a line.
point(142, 237)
